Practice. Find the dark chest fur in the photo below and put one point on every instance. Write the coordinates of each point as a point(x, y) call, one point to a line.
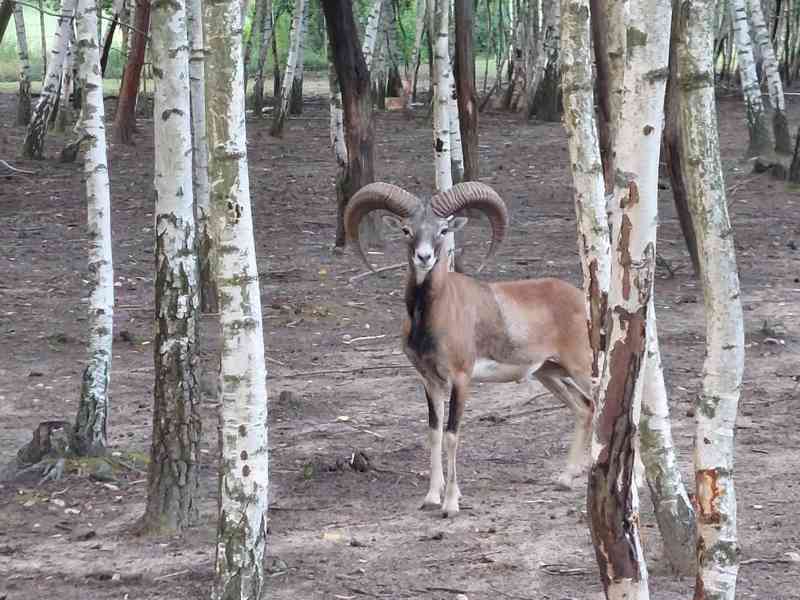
point(420, 340)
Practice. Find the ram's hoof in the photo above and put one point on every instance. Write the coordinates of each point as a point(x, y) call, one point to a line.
point(427, 505)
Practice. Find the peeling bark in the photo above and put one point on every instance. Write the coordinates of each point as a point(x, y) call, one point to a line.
point(244, 482)
point(717, 405)
point(172, 481)
point(91, 422)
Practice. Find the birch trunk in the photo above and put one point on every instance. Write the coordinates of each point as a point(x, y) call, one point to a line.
point(371, 33)
point(33, 146)
point(546, 104)
point(612, 497)
point(118, 8)
point(715, 411)
point(780, 126)
point(244, 482)
point(202, 207)
point(456, 150)
point(421, 20)
point(587, 174)
point(24, 94)
point(442, 122)
point(43, 38)
point(760, 142)
point(338, 141)
point(671, 504)
point(296, 99)
point(91, 422)
point(172, 480)
point(282, 108)
point(6, 11)
point(64, 116)
point(266, 40)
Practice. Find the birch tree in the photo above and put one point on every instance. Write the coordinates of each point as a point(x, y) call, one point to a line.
point(295, 35)
point(64, 117)
point(716, 406)
point(780, 126)
point(24, 93)
point(371, 32)
point(33, 145)
point(172, 473)
point(244, 484)
point(296, 96)
point(91, 422)
point(338, 142)
point(442, 121)
point(420, 23)
point(6, 11)
point(205, 242)
point(267, 27)
point(612, 498)
point(760, 142)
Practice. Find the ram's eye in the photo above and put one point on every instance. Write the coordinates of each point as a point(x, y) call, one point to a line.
point(407, 231)
point(442, 231)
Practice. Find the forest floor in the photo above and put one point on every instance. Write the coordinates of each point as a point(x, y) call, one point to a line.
point(335, 532)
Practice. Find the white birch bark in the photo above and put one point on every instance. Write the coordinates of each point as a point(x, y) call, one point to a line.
point(613, 495)
point(440, 13)
point(338, 142)
point(672, 506)
point(91, 422)
point(33, 145)
point(201, 186)
point(244, 481)
point(266, 41)
point(716, 408)
point(43, 38)
point(760, 142)
point(24, 93)
point(371, 33)
point(587, 172)
point(780, 127)
point(291, 64)
point(64, 116)
point(174, 456)
point(456, 151)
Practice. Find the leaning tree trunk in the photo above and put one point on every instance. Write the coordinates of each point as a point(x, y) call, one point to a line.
point(118, 8)
point(172, 477)
point(33, 146)
point(91, 422)
point(202, 208)
point(780, 126)
point(354, 82)
point(267, 26)
point(296, 94)
point(243, 481)
point(282, 106)
point(760, 142)
point(421, 20)
point(612, 498)
point(125, 118)
point(442, 121)
point(6, 11)
point(587, 174)
point(716, 407)
point(464, 65)
point(24, 94)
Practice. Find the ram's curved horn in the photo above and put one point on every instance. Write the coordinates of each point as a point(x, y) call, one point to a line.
point(376, 196)
point(472, 194)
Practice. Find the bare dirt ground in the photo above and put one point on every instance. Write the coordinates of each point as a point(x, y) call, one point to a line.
point(336, 532)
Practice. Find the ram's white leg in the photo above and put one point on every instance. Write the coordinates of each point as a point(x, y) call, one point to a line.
point(435, 427)
point(452, 492)
point(458, 398)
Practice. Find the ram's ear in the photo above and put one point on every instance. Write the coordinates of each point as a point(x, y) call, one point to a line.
point(456, 223)
point(392, 222)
